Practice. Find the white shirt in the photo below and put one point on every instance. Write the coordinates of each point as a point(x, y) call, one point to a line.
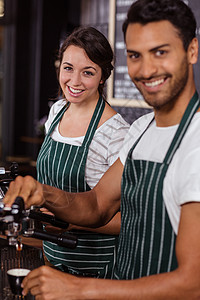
point(104, 148)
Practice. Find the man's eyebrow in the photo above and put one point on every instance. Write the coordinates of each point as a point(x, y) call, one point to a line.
point(131, 51)
point(158, 47)
point(151, 50)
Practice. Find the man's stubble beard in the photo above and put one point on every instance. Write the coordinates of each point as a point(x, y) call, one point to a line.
point(175, 89)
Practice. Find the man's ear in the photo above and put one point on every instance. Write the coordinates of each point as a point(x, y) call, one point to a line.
point(192, 51)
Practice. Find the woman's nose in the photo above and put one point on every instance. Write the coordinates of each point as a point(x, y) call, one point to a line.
point(75, 78)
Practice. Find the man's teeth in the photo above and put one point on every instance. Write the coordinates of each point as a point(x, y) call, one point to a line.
point(75, 91)
point(154, 83)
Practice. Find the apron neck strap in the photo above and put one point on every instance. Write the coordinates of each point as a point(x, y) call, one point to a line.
point(94, 122)
point(57, 118)
point(183, 126)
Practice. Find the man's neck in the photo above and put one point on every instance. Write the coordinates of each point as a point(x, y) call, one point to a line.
point(173, 113)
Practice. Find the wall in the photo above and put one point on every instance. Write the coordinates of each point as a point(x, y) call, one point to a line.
point(33, 32)
point(96, 13)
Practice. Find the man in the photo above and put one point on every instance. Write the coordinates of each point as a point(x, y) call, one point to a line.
point(159, 245)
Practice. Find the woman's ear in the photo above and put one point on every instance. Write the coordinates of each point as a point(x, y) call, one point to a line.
point(192, 51)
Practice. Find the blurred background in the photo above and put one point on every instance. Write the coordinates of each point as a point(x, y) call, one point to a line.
point(30, 34)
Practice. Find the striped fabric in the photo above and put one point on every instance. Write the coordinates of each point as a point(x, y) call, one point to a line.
point(93, 257)
point(63, 166)
point(147, 240)
point(104, 147)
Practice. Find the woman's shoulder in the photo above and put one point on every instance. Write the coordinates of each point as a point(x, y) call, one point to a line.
point(111, 116)
point(54, 110)
point(118, 121)
point(57, 106)
point(114, 126)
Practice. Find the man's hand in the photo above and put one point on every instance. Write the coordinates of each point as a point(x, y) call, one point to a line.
point(46, 283)
point(27, 188)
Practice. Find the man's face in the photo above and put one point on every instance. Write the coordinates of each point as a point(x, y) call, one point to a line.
point(157, 62)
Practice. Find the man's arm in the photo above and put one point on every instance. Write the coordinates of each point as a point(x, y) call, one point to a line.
point(93, 208)
point(112, 227)
point(183, 283)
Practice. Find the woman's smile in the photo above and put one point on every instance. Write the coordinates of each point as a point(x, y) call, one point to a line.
point(75, 92)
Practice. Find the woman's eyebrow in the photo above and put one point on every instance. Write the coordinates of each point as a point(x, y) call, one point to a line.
point(89, 67)
point(85, 68)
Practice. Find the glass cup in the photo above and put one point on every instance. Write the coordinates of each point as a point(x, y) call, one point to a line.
point(15, 278)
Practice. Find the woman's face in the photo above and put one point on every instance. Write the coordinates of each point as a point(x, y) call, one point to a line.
point(79, 77)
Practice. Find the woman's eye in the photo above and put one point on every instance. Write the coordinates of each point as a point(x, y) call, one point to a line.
point(88, 73)
point(68, 68)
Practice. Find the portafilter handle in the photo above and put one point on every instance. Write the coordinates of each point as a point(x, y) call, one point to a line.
point(63, 240)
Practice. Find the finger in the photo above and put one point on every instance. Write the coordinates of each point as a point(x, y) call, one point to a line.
point(37, 284)
point(31, 191)
point(27, 188)
point(43, 209)
point(36, 199)
point(30, 281)
point(36, 292)
point(13, 191)
point(46, 211)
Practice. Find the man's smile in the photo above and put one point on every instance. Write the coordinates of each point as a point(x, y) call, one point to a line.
point(154, 83)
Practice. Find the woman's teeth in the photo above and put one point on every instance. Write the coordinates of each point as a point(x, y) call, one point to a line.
point(154, 83)
point(75, 91)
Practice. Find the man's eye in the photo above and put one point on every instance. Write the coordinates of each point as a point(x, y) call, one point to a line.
point(133, 55)
point(160, 52)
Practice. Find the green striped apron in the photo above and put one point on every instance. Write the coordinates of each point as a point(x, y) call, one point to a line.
point(63, 166)
point(147, 239)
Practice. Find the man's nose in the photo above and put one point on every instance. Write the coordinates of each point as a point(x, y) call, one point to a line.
point(148, 67)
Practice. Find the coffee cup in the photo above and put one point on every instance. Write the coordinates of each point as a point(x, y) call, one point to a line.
point(15, 278)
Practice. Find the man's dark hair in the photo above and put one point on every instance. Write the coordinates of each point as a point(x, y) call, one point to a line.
point(174, 11)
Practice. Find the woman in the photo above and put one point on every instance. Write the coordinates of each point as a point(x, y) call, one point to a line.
point(84, 135)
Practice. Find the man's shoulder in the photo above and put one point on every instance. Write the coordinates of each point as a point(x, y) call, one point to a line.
point(142, 122)
point(134, 132)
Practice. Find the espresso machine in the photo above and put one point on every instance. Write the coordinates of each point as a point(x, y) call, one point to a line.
point(17, 222)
